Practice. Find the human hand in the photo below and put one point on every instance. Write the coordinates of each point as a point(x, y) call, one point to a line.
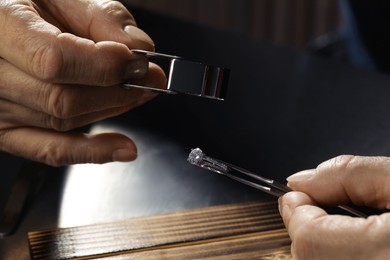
point(61, 66)
point(317, 235)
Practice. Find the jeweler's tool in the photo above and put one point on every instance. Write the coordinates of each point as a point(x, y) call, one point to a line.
point(189, 77)
point(198, 157)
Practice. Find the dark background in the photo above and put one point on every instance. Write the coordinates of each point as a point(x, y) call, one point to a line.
point(286, 110)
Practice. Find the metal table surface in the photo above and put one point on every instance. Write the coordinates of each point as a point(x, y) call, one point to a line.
point(285, 111)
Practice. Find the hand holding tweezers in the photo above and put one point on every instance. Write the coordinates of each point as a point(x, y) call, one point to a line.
point(189, 77)
point(198, 158)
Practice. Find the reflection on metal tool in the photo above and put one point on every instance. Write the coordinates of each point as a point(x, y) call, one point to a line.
point(188, 77)
point(197, 157)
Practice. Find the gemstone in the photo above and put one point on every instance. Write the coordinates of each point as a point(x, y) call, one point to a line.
point(195, 156)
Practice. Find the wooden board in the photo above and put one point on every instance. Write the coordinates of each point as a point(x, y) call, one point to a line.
point(251, 230)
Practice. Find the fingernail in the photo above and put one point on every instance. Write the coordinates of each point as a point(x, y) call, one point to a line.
point(301, 176)
point(141, 40)
point(136, 68)
point(124, 155)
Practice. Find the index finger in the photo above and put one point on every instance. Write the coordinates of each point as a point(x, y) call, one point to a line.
point(343, 179)
point(43, 51)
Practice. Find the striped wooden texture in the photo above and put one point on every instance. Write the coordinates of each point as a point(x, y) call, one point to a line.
point(240, 231)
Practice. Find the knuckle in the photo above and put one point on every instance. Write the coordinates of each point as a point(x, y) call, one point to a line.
point(115, 9)
point(58, 124)
point(47, 63)
point(90, 155)
point(106, 76)
point(51, 154)
point(376, 228)
point(60, 102)
point(110, 71)
point(56, 155)
point(348, 162)
point(341, 162)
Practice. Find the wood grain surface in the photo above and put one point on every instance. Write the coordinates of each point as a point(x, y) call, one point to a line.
point(251, 230)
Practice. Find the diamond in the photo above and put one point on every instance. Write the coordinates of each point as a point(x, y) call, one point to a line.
point(196, 156)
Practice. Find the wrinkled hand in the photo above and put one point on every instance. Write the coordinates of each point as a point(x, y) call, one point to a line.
point(61, 64)
point(344, 179)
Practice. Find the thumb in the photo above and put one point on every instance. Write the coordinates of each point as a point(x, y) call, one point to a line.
point(361, 180)
point(43, 51)
point(102, 20)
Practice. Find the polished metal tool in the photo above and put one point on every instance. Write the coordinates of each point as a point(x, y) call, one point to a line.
point(189, 77)
point(198, 157)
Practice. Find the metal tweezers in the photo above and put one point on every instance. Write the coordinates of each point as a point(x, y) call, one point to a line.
point(189, 77)
point(197, 157)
